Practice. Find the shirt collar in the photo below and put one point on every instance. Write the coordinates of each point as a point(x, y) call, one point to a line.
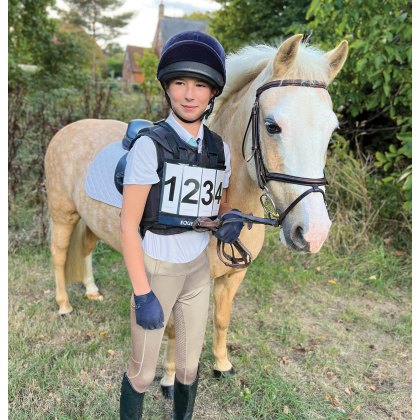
point(181, 131)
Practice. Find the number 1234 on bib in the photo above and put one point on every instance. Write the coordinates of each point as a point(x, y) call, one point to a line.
point(191, 191)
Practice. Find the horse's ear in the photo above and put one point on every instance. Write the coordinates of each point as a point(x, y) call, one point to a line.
point(336, 59)
point(286, 54)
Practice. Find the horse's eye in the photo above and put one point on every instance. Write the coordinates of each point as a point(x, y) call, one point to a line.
point(272, 127)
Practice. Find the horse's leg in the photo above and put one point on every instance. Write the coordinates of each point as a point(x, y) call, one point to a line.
point(225, 288)
point(60, 239)
point(168, 380)
point(92, 291)
point(89, 243)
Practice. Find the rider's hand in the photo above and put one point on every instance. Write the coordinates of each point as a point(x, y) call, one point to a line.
point(149, 313)
point(229, 232)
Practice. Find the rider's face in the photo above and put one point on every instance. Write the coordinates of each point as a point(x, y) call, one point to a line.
point(189, 97)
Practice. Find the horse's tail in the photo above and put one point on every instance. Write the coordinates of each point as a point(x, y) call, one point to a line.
point(75, 268)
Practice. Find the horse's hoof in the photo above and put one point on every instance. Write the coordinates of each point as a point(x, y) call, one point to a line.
point(65, 315)
point(223, 374)
point(65, 312)
point(167, 392)
point(94, 296)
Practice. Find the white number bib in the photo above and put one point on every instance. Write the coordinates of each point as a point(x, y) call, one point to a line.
point(189, 192)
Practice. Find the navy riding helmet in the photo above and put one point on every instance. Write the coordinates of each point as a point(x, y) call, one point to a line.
point(195, 54)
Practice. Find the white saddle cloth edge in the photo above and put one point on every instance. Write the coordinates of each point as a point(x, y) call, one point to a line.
point(100, 177)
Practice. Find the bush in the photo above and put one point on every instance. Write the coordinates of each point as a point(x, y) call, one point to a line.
point(35, 116)
point(373, 93)
point(361, 207)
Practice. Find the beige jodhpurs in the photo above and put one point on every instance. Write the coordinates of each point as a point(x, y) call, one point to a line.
point(183, 288)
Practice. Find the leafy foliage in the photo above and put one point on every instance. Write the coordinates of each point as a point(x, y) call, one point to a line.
point(34, 118)
point(360, 208)
point(197, 16)
point(374, 91)
point(150, 87)
point(115, 58)
point(69, 62)
point(56, 54)
point(373, 94)
point(30, 30)
point(239, 22)
point(93, 17)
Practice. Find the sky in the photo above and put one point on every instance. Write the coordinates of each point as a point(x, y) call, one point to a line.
point(141, 29)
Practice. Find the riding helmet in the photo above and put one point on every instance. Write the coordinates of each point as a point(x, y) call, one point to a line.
point(193, 54)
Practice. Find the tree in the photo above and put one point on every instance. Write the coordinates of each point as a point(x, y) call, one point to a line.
point(197, 16)
point(115, 58)
point(57, 53)
point(30, 30)
point(374, 88)
point(73, 54)
point(98, 19)
point(241, 22)
point(113, 48)
point(150, 87)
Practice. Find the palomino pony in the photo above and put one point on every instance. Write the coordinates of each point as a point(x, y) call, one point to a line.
point(284, 145)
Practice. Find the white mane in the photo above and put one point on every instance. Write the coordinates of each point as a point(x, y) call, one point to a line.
point(245, 65)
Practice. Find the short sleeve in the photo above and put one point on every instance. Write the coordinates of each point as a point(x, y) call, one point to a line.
point(142, 163)
point(227, 164)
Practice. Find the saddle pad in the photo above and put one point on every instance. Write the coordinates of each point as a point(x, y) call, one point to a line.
point(100, 177)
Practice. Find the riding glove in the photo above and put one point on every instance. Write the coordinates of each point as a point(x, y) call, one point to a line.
point(229, 232)
point(149, 313)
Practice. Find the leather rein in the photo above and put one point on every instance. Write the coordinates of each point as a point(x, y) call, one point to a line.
point(275, 215)
point(244, 258)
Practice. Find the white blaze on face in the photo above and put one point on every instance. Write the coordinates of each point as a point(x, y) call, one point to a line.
point(306, 119)
point(316, 222)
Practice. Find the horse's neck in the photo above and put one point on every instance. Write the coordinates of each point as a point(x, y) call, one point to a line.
point(244, 193)
point(230, 123)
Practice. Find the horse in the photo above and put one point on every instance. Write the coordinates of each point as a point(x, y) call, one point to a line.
point(276, 115)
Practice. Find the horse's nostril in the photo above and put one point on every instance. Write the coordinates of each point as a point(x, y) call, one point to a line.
point(298, 239)
point(297, 232)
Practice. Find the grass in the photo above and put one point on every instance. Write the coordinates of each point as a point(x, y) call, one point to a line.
point(325, 336)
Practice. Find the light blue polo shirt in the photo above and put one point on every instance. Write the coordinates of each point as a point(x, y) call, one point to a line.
point(142, 169)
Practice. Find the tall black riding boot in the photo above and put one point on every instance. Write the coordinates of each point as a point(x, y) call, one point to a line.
point(131, 402)
point(184, 399)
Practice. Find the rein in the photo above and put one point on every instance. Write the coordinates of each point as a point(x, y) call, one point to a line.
point(202, 224)
point(263, 175)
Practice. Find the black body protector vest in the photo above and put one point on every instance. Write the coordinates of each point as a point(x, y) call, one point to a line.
point(190, 185)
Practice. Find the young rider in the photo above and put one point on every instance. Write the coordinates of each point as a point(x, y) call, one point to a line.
point(177, 171)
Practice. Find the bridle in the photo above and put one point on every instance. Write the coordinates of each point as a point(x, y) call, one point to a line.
point(275, 215)
point(263, 175)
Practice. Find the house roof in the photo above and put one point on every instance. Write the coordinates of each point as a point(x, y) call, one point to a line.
point(130, 51)
point(171, 26)
point(166, 28)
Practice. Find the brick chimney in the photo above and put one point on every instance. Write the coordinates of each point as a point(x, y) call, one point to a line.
point(161, 9)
